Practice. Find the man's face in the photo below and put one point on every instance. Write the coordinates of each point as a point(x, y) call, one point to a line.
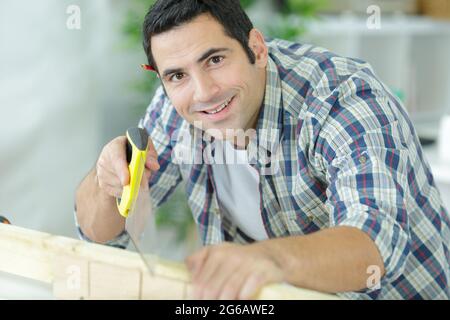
point(208, 76)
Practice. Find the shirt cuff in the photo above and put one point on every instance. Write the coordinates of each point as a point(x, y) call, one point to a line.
point(121, 241)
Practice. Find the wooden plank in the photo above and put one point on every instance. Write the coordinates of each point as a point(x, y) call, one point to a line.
point(284, 291)
point(111, 282)
point(159, 288)
point(22, 253)
point(55, 259)
point(71, 278)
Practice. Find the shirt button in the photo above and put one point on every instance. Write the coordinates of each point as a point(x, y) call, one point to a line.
point(362, 159)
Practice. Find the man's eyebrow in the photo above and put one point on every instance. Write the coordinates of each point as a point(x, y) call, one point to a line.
point(171, 71)
point(203, 57)
point(211, 52)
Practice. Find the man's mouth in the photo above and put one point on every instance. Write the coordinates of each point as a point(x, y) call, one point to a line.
point(219, 108)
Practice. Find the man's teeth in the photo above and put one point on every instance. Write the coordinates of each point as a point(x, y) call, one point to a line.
point(220, 108)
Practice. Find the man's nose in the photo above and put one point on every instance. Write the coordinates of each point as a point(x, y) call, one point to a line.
point(205, 88)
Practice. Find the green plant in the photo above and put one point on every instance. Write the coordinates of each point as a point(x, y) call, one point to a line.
point(293, 18)
point(132, 29)
point(176, 214)
point(304, 8)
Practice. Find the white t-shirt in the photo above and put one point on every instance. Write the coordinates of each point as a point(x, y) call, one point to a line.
point(237, 184)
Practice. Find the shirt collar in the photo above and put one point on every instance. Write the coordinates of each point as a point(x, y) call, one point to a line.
point(269, 126)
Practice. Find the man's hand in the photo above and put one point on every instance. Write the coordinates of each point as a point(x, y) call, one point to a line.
point(231, 271)
point(331, 260)
point(112, 168)
point(96, 207)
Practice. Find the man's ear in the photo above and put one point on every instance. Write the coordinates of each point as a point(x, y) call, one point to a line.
point(258, 46)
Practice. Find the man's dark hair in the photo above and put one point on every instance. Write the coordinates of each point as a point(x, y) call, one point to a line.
point(164, 15)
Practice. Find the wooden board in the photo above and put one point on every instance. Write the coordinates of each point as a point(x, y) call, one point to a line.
point(436, 8)
point(81, 270)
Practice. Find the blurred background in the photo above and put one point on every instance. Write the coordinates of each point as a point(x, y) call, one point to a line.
point(70, 82)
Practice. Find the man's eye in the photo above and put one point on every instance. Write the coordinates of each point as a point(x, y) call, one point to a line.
point(216, 59)
point(177, 77)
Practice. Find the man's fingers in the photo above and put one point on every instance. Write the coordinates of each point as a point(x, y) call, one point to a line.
point(151, 148)
point(152, 157)
point(145, 178)
point(109, 177)
point(112, 184)
point(195, 262)
point(216, 276)
point(263, 274)
point(111, 190)
point(119, 160)
point(206, 285)
point(232, 287)
point(252, 284)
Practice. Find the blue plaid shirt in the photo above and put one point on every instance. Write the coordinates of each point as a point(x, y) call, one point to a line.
point(334, 147)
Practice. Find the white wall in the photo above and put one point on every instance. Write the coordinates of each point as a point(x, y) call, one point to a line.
point(63, 94)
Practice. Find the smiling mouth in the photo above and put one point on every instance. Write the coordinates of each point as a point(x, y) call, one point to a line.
point(219, 108)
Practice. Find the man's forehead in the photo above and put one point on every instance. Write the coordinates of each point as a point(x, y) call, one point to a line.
point(202, 24)
point(189, 40)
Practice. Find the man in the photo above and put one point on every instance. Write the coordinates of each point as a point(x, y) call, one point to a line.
point(335, 190)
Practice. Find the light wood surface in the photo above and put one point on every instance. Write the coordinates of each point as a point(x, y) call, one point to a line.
point(81, 270)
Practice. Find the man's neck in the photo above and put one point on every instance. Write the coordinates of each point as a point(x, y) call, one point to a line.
point(253, 123)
